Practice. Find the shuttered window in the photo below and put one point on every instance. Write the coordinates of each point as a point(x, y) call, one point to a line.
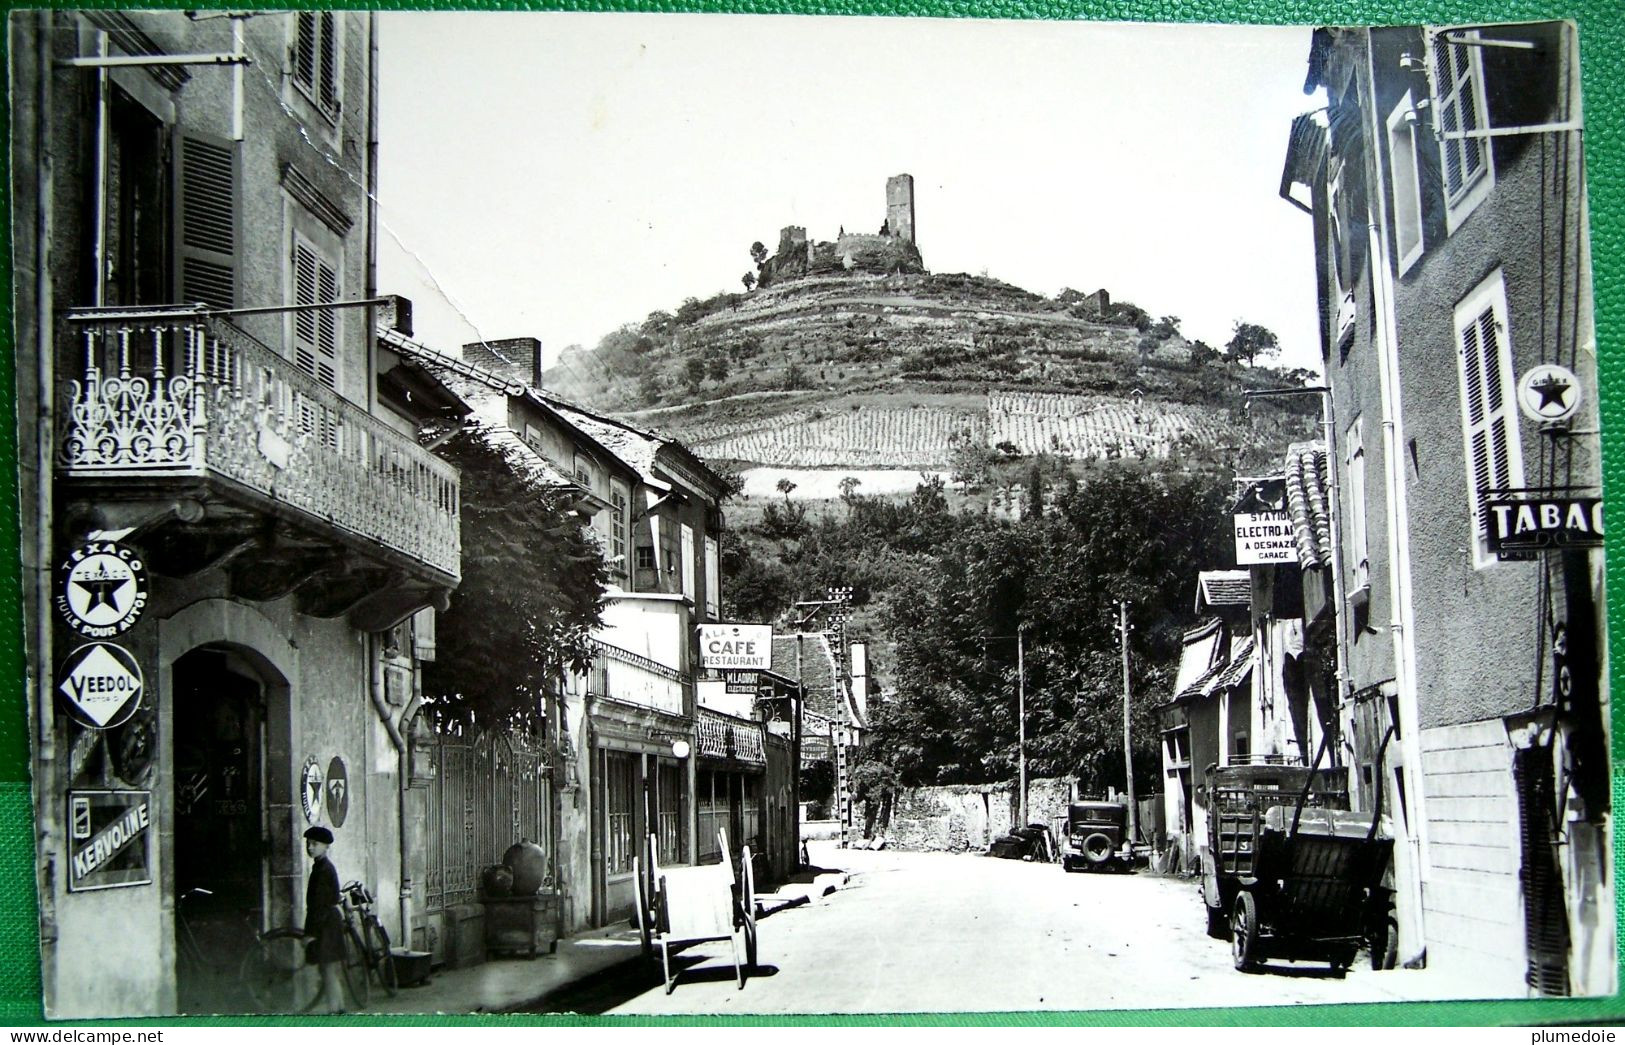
point(315, 57)
point(1405, 183)
point(1458, 89)
point(206, 235)
point(315, 332)
point(1359, 552)
point(1489, 416)
point(713, 579)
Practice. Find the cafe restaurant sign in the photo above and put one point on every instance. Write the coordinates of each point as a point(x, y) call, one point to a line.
point(1263, 537)
point(736, 647)
point(1532, 520)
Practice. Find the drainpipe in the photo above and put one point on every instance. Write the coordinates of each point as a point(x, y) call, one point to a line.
point(1401, 617)
point(45, 807)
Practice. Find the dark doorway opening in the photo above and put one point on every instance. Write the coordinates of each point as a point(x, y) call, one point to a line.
point(221, 845)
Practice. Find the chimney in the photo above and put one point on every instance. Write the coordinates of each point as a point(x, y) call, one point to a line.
point(516, 358)
point(396, 314)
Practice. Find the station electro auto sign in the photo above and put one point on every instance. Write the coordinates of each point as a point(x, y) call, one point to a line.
point(1519, 522)
point(1263, 537)
point(736, 647)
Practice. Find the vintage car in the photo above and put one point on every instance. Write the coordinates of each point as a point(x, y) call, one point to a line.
point(1097, 837)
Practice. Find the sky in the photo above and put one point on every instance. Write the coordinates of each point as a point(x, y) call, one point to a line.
point(559, 175)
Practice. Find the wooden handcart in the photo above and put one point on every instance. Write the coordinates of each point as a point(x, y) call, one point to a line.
point(680, 906)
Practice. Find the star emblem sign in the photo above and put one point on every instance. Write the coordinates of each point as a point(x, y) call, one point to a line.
point(1552, 392)
point(1549, 393)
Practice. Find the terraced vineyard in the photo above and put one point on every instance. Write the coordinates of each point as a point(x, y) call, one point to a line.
point(1083, 426)
point(867, 437)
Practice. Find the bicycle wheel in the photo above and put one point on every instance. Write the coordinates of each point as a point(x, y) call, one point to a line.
point(356, 979)
point(275, 974)
point(383, 959)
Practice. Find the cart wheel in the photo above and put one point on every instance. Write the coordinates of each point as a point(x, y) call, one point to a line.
point(640, 908)
point(1218, 926)
point(1244, 932)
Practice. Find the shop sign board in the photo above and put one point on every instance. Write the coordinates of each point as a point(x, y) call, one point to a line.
point(741, 681)
point(1263, 538)
point(109, 839)
point(102, 683)
point(744, 647)
point(101, 589)
point(1524, 521)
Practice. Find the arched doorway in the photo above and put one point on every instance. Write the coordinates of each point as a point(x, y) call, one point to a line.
point(220, 835)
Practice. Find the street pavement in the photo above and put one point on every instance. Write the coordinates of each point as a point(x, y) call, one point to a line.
point(937, 932)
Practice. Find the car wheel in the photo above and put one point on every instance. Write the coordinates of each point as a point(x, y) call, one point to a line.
point(1097, 848)
point(1244, 932)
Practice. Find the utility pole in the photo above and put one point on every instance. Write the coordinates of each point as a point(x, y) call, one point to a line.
point(1021, 725)
point(1128, 752)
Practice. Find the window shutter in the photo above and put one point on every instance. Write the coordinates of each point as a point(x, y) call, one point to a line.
point(315, 333)
point(206, 220)
point(1488, 414)
point(305, 51)
point(328, 89)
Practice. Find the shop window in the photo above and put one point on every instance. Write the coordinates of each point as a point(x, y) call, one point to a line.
point(620, 792)
point(669, 815)
point(710, 814)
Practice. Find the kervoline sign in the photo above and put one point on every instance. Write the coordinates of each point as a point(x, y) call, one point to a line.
point(736, 647)
point(1263, 537)
point(109, 840)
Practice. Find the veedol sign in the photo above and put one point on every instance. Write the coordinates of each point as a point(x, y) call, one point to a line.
point(736, 647)
point(1263, 537)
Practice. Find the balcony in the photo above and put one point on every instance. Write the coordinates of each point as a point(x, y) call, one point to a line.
point(621, 675)
point(212, 445)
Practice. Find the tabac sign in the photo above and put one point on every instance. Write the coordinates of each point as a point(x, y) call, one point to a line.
point(109, 839)
point(736, 647)
point(1263, 537)
point(1518, 522)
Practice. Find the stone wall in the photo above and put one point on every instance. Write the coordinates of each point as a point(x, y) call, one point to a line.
point(967, 817)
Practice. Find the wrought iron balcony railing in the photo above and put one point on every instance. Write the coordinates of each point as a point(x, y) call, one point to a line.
point(622, 675)
point(178, 394)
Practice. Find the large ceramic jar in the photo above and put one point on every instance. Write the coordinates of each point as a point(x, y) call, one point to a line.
point(528, 863)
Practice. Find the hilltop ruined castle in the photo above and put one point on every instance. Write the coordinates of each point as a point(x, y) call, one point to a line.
point(892, 249)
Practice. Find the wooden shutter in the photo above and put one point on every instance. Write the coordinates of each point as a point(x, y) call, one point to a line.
point(206, 234)
point(305, 51)
point(1488, 411)
point(328, 87)
point(315, 333)
point(1454, 67)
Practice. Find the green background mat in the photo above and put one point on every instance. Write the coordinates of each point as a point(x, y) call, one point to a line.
point(1602, 48)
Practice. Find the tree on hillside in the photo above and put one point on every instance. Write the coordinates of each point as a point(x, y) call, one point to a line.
point(1203, 353)
point(693, 373)
point(1057, 578)
point(758, 253)
point(970, 465)
point(849, 487)
point(1249, 341)
point(530, 597)
point(786, 487)
point(749, 280)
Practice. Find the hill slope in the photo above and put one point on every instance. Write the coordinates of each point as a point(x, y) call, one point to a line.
point(906, 371)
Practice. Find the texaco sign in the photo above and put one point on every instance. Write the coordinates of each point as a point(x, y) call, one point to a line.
point(101, 589)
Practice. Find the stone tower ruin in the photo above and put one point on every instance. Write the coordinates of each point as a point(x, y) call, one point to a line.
point(900, 206)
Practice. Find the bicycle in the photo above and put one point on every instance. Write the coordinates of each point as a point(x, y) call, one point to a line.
point(271, 973)
point(367, 947)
